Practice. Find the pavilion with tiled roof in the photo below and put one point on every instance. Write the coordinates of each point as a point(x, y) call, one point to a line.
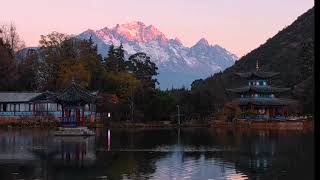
point(257, 99)
point(74, 101)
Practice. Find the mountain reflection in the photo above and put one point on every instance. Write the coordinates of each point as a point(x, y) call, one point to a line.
point(190, 153)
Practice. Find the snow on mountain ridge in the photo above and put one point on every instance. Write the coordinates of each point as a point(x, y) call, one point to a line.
point(135, 31)
point(181, 63)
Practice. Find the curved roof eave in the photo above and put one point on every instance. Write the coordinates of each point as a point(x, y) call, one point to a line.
point(258, 74)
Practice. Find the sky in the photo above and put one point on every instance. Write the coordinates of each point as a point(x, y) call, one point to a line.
point(237, 25)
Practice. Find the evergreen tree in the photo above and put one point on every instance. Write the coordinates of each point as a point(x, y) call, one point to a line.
point(115, 61)
point(110, 63)
point(143, 68)
point(119, 54)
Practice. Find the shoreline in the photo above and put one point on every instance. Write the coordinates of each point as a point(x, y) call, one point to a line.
point(297, 125)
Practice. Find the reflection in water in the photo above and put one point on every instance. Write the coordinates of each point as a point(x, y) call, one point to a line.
point(75, 149)
point(179, 165)
point(109, 140)
point(157, 154)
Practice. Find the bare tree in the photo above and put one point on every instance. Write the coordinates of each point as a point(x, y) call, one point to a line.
point(9, 35)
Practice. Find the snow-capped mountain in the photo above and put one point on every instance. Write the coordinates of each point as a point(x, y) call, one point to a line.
point(178, 65)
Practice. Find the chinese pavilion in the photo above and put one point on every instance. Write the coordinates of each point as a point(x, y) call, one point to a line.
point(258, 99)
point(75, 101)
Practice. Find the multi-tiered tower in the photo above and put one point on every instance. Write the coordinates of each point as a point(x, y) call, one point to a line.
point(258, 99)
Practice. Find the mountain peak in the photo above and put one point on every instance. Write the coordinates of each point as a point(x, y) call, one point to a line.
point(203, 41)
point(134, 24)
point(177, 41)
point(89, 31)
point(139, 32)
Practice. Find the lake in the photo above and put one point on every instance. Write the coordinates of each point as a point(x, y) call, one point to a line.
point(190, 153)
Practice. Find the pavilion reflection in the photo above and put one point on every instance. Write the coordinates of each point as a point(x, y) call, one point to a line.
point(75, 150)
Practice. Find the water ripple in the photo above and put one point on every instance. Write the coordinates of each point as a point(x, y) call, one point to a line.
point(169, 150)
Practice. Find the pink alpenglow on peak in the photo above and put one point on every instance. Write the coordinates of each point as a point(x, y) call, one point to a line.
point(133, 32)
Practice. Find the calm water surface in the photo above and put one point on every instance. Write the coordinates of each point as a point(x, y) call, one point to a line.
point(192, 153)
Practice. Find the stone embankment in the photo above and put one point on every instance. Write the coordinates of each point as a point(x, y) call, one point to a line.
point(35, 122)
point(306, 124)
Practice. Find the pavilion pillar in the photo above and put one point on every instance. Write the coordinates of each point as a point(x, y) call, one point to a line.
point(83, 118)
point(62, 109)
point(66, 111)
point(33, 108)
point(286, 111)
point(75, 115)
point(78, 115)
point(69, 114)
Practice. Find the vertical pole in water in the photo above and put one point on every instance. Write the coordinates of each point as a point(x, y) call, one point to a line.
point(179, 136)
point(178, 114)
point(179, 146)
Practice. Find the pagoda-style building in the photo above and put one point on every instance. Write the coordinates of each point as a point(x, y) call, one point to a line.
point(75, 101)
point(258, 99)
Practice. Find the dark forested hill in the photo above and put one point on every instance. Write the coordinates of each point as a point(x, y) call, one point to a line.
point(290, 52)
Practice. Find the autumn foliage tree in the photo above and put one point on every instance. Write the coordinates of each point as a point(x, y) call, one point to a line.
point(67, 58)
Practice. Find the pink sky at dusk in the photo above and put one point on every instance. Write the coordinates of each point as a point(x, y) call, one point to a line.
point(237, 25)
